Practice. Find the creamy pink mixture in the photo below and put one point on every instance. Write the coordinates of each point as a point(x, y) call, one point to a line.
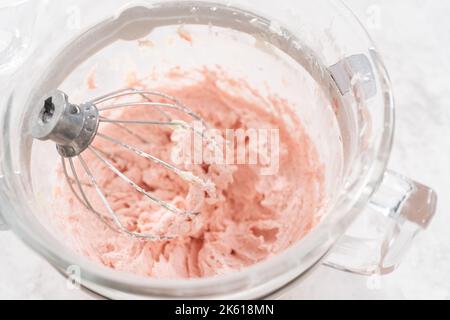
point(248, 218)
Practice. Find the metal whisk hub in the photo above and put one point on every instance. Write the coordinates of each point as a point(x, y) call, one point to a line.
point(72, 127)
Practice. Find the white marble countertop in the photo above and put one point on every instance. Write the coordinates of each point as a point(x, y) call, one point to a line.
point(412, 36)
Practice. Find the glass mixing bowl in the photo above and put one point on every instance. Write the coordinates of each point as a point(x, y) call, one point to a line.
point(299, 50)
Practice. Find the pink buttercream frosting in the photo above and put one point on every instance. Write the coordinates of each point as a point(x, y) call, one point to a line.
point(245, 218)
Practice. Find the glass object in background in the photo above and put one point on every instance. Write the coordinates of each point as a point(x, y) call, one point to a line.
point(17, 21)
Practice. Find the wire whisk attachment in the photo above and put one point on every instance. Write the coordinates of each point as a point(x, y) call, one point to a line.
point(74, 128)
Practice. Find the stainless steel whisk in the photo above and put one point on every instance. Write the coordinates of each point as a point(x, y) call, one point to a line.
point(74, 127)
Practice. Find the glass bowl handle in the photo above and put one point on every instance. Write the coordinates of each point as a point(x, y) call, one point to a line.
point(377, 241)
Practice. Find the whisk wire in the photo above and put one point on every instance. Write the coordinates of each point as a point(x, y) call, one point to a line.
point(132, 133)
point(112, 212)
point(147, 122)
point(185, 175)
point(122, 93)
point(173, 124)
point(155, 200)
point(84, 197)
point(139, 104)
point(70, 182)
point(131, 91)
